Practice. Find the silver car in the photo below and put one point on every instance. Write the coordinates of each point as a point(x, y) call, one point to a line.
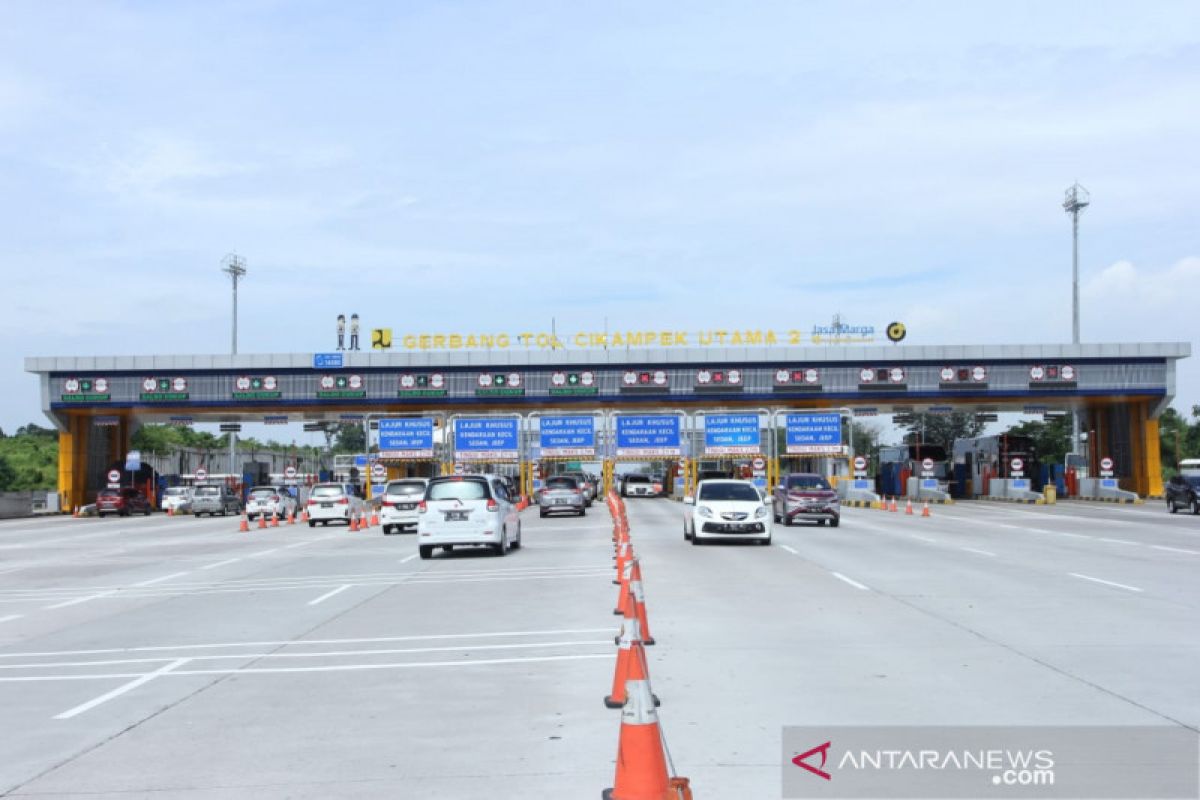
point(561, 493)
point(177, 499)
point(214, 500)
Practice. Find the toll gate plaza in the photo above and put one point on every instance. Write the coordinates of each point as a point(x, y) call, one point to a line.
point(176, 656)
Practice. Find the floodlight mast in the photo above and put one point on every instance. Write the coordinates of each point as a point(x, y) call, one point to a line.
point(234, 266)
point(1075, 201)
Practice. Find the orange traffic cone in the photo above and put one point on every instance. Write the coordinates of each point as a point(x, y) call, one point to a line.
point(244, 525)
point(170, 511)
point(908, 507)
point(631, 665)
point(892, 507)
point(624, 553)
point(262, 521)
point(76, 514)
point(925, 510)
point(374, 518)
point(627, 574)
point(883, 504)
point(291, 517)
point(641, 763)
point(639, 608)
point(353, 523)
point(274, 520)
point(304, 515)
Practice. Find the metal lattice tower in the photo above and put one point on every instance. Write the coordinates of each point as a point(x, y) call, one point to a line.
point(235, 266)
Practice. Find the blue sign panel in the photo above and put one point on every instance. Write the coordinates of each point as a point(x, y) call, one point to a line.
point(1020, 483)
point(327, 361)
point(931, 483)
point(814, 434)
point(1108, 483)
point(406, 437)
point(568, 436)
point(726, 434)
point(485, 439)
point(641, 435)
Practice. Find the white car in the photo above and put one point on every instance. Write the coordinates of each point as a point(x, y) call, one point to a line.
point(268, 500)
point(333, 502)
point(635, 485)
point(398, 508)
point(727, 509)
point(467, 510)
point(177, 499)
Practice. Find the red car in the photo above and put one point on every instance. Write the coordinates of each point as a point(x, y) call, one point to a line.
point(122, 501)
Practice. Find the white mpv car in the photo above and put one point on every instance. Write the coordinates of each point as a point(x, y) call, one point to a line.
point(333, 501)
point(398, 509)
point(727, 509)
point(467, 510)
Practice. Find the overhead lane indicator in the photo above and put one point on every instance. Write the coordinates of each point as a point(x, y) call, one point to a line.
point(406, 438)
point(732, 434)
point(256, 387)
point(499, 384)
point(164, 389)
point(342, 387)
point(422, 384)
point(568, 436)
point(565, 384)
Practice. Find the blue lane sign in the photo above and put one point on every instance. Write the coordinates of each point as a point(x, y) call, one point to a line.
point(568, 436)
point(327, 361)
point(133, 460)
point(814, 434)
point(731, 434)
point(406, 437)
point(640, 435)
point(485, 439)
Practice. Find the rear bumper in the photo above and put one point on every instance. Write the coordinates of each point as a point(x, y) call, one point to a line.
point(338, 513)
point(472, 535)
point(394, 516)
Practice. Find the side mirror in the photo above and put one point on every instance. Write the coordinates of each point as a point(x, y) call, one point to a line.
point(688, 500)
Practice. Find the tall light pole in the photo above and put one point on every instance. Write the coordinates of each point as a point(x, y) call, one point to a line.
point(1075, 201)
point(235, 266)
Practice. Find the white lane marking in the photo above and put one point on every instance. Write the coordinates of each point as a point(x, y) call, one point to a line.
point(1106, 583)
point(850, 581)
point(298, 642)
point(222, 563)
point(790, 550)
point(1115, 541)
point(407, 559)
point(153, 581)
point(321, 654)
point(263, 553)
point(79, 600)
point(1175, 549)
point(1073, 535)
point(11, 617)
point(120, 690)
point(923, 538)
point(981, 552)
point(297, 544)
point(168, 671)
point(328, 595)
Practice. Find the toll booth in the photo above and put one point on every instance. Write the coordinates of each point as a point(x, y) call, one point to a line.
point(407, 448)
point(733, 444)
point(479, 444)
point(655, 439)
point(556, 441)
point(807, 440)
point(979, 460)
point(899, 463)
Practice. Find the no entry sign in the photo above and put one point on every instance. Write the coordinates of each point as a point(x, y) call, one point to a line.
point(114, 476)
point(201, 473)
point(289, 473)
point(860, 464)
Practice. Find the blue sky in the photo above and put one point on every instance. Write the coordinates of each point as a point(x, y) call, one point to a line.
point(458, 166)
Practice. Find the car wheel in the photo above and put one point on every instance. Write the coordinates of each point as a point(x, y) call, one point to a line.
point(821, 522)
point(787, 521)
point(312, 524)
point(765, 542)
point(516, 544)
point(425, 550)
point(583, 512)
point(687, 537)
point(833, 523)
point(324, 523)
point(1196, 507)
point(696, 541)
point(1174, 509)
point(502, 548)
point(542, 513)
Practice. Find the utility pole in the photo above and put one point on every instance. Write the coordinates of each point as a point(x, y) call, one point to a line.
point(234, 266)
point(1075, 201)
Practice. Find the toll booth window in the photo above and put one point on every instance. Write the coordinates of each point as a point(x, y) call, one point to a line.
point(807, 482)
point(458, 490)
point(730, 492)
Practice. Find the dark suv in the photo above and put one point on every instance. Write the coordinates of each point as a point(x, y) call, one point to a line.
point(1183, 491)
point(122, 501)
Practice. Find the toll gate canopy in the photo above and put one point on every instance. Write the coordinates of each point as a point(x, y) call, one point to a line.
point(97, 402)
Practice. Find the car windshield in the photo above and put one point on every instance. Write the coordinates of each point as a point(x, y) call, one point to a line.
point(562, 483)
point(108, 493)
point(743, 492)
point(407, 488)
point(262, 493)
point(457, 490)
point(807, 482)
point(176, 491)
point(327, 491)
point(208, 491)
point(637, 479)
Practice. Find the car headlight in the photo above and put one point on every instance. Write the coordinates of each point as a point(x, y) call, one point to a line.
point(761, 513)
point(704, 511)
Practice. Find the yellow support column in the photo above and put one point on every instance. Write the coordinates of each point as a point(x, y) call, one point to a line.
point(1147, 452)
point(72, 463)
